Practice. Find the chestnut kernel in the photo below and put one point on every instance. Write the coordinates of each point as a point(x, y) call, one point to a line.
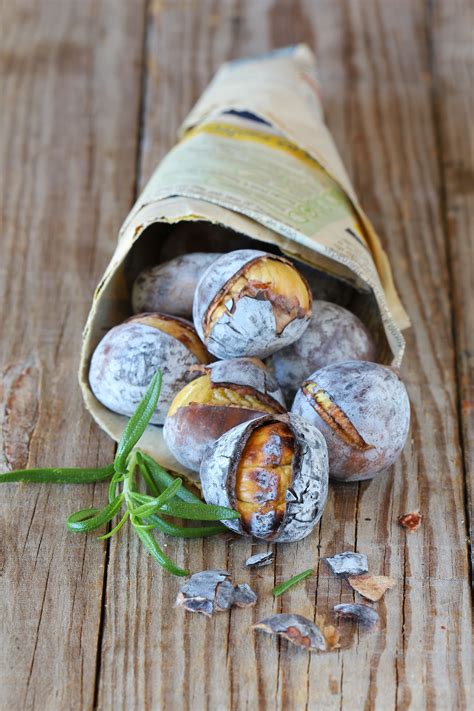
point(169, 287)
point(363, 411)
point(274, 471)
point(128, 356)
point(334, 335)
point(250, 303)
point(229, 392)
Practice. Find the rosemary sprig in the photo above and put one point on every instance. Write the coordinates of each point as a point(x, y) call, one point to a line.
point(167, 496)
point(283, 587)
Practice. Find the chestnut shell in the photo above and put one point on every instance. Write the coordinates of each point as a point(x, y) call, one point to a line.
point(192, 428)
point(125, 361)
point(334, 335)
point(250, 330)
point(374, 401)
point(305, 498)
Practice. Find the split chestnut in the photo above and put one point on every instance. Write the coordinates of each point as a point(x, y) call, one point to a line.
point(363, 411)
point(274, 472)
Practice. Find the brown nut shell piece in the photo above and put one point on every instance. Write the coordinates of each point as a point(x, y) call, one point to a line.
point(229, 393)
point(373, 587)
point(128, 356)
point(411, 521)
point(334, 335)
point(366, 616)
point(250, 303)
point(296, 629)
point(259, 498)
point(169, 287)
point(212, 591)
point(363, 411)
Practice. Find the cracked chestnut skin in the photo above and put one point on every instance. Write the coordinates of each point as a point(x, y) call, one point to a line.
point(227, 393)
point(250, 303)
point(334, 335)
point(128, 356)
point(363, 411)
point(274, 471)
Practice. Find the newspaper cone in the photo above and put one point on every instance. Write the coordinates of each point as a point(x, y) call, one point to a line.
point(255, 161)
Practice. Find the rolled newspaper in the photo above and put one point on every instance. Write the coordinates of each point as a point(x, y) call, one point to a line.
point(255, 165)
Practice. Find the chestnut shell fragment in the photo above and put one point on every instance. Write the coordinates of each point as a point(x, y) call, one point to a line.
point(348, 563)
point(296, 629)
point(366, 616)
point(306, 495)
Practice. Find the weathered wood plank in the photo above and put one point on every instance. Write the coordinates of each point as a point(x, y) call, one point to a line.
point(453, 94)
point(375, 63)
point(70, 102)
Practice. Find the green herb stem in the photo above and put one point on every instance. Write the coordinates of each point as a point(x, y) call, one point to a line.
point(59, 475)
point(162, 479)
point(283, 587)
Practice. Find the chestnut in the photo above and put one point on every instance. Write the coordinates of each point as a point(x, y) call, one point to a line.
point(334, 335)
point(363, 411)
point(250, 303)
point(274, 472)
point(169, 287)
point(128, 356)
point(228, 393)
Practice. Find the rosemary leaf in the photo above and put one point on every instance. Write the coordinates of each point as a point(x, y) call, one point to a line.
point(198, 512)
point(283, 587)
point(162, 479)
point(59, 475)
point(155, 551)
point(87, 520)
point(138, 422)
point(171, 529)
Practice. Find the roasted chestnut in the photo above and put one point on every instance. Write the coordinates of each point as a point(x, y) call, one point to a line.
point(250, 303)
point(169, 287)
point(228, 393)
point(274, 471)
point(128, 356)
point(363, 411)
point(334, 335)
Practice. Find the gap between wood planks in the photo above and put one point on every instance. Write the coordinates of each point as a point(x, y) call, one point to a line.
point(136, 191)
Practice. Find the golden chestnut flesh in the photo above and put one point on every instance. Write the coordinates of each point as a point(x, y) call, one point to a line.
point(226, 394)
point(250, 303)
point(272, 470)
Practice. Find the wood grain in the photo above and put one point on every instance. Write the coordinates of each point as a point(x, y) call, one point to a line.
point(452, 56)
point(70, 104)
point(375, 63)
point(85, 128)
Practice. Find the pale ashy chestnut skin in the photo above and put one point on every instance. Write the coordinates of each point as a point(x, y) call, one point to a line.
point(169, 287)
point(227, 393)
point(334, 335)
point(250, 303)
point(129, 355)
point(363, 411)
point(274, 471)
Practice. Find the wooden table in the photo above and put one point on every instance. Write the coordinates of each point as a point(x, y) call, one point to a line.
point(93, 92)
